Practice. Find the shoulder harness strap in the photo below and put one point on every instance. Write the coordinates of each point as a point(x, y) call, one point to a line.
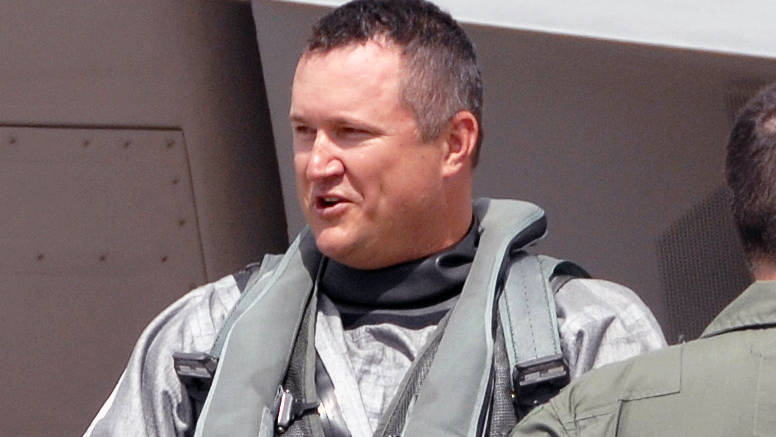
point(245, 280)
point(529, 320)
point(195, 370)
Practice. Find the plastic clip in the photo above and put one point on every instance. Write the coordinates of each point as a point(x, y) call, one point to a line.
point(288, 409)
point(538, 380)
point(194, 365)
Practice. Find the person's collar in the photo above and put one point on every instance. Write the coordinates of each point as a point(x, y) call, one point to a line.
point(411, 284)
point(755, 307)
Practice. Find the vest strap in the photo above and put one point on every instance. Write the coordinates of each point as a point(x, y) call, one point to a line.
point(528, 313)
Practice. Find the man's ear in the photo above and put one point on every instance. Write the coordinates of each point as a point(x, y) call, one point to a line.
point(461, 141)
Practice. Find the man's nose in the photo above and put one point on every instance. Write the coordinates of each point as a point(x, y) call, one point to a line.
point(324, 158)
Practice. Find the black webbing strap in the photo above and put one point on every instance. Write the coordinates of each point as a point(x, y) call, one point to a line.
point(299, 380)
point(503, 416)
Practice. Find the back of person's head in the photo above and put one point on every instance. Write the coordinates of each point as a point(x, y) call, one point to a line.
point(751, 176)
point(441, 76)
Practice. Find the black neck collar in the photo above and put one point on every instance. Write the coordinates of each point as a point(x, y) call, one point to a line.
point(413, 284)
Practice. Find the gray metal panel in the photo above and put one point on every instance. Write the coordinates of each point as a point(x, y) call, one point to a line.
point(80, 201)
point(189, 68)
point(97, 226)
point(192, 65)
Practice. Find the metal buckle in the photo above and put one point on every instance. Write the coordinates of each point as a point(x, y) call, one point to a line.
point(536, 381)
point(287, 409)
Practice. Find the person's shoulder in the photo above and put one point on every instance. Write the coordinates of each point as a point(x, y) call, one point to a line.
point(192, 322)
point(581, 302)
point(653, 374)
point(591, 404)
point(601, 322)
point(585, 292)
point(148, 395)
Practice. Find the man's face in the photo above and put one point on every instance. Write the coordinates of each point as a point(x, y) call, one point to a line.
point(369, 188)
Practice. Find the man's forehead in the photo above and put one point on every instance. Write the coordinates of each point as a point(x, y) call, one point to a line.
point(357, 56)
point(353, 70)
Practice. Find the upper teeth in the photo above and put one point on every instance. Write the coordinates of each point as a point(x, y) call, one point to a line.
point(329, 199)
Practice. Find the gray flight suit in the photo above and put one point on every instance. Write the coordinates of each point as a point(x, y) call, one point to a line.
point(598, 322)
point(723, 384)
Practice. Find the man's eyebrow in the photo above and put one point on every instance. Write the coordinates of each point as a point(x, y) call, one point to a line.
point(296, 118)
point(343, 121)
point(336, 121)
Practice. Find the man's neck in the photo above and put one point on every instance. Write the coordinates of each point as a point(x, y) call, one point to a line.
point(764, 270)
point(422, 281)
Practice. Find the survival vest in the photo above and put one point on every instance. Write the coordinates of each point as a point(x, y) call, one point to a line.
point(499, 345)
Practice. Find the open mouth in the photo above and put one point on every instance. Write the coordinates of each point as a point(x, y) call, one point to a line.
point(327, 201)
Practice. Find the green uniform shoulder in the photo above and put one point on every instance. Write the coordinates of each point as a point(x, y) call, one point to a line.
point(591, 405)
point(653, 374)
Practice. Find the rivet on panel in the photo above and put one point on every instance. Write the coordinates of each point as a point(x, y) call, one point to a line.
point(175, 180)
point(164, 259)
point(86, 143)
point(12, 139)
point(181, 222)
point(103, 258)
point(40, 257)
point(170, 142)
point(127, 143)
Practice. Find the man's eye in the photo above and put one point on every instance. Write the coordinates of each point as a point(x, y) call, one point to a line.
point(304, 130)
point(353, 131)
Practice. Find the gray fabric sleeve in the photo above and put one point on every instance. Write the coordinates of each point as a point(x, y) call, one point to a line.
point(602, 322)
point(148, 399)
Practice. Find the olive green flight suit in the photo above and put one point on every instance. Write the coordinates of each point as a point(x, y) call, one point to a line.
point(723, 384)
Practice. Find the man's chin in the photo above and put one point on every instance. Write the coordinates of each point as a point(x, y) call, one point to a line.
point(333, 244)
point(347, 253)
